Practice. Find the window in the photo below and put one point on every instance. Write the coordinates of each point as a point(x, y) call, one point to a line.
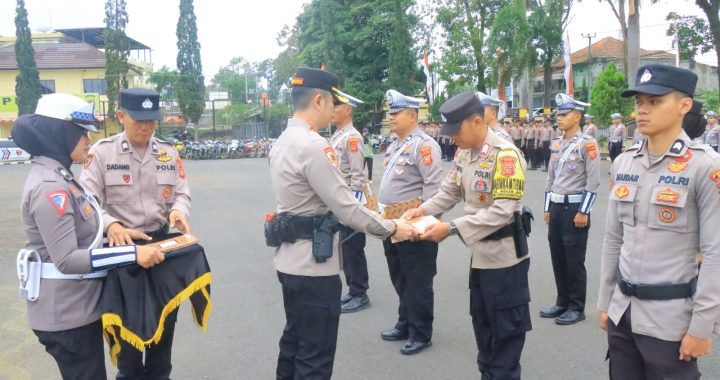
point(47, 86)
point(94, 86)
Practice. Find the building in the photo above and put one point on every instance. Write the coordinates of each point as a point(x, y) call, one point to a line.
point(70, 61)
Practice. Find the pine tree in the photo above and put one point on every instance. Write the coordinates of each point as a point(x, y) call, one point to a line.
point(117, 50)
point(401, 66)
point(27, 82)
point(191, 86)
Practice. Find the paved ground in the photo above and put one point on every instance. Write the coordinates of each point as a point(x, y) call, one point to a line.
point(230, 199)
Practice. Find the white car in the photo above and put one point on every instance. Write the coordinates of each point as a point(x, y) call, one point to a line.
point(9, 151)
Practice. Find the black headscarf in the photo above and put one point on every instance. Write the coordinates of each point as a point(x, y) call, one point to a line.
point(694, 122)
point(46, 136)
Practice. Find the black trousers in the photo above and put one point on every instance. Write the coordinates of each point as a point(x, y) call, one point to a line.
point(499, 306)
point(354, 261)
point(567, 251)
point(158, 357)
point(369, 163)
point(412, 267)
point(546, 153)
point(78, 352)
point(614, 150)
point(531, 153)
point(641, 357)
point(312, 313)
point(517, 142)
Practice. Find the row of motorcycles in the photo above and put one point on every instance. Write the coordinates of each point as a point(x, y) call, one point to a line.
point(223, 149)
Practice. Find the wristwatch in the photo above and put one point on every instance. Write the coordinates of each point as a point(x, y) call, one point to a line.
point(453, 229)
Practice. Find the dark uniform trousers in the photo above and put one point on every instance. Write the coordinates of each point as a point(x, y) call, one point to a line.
point(517, 143)
point(641, 357)
point(158, 357)
point(312, 312)
point(546, 153)
point(567, 251)
point(614, 150)
point(412, 267)
point(499, 306)
point(354, 261)
point(78, 352)
point(530, 149)
point(369, 163)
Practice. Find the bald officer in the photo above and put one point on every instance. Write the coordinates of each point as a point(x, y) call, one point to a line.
point(590, 128)
point(492, 108)
point(658, 309)
point(312, 199)
point(140, 181)
point(348, 144)
point(570, 193)
point(488, 175)
point(412, 171)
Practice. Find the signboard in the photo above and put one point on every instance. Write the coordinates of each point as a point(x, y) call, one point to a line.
point(9, 103)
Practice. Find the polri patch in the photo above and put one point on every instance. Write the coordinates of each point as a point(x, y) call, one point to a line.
point(667, 215)
point(426, 153)
point(591, 150)
point(331, 156)
point(89, 161)
point(353, 143)
point(59, 200)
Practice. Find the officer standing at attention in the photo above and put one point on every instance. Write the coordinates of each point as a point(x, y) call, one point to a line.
point(638, 137)
point(572, 184)
point(349, 147)
point(140, 181)
point(492, 107)
point(64, 232)
point(546, 136)
point(412, 171)
point(658, 309)
point(516, 133)
point(590, 127)
point(713, 136)
point(311, 191)
point(530, 145)
point(618, 135)
point(488, 175)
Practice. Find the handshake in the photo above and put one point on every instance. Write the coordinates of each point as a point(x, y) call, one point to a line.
point(414, 225)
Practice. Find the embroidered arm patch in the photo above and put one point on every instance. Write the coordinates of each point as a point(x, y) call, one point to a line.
point(509, 179)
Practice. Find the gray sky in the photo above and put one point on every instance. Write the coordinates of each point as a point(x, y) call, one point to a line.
point(248, 28)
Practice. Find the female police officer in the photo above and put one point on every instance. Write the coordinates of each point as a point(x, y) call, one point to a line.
point(61, 268)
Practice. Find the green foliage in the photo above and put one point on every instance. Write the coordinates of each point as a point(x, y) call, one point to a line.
point(165, 81)
point(606, 98)
point(510, 38)
point(402, 66)
point(117, 50)
point(190, 89)
point(27, 82)
point(547, 21)
point(710, 99)
point(694, 35)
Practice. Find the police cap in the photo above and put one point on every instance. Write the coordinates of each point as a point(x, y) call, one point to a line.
point(141, 103)
point(458, 108)
point(661, 80)
point(322, 80)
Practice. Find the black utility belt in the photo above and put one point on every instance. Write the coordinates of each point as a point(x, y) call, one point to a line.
point(500, 234)
point(658, 292)
point(283, 228)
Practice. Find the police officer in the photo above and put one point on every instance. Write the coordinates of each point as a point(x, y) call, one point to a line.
point(516, 134)
point(713, 136)
point(412, 171)
point(638, 137)
point(488, 175)
point(141, 183)
point(61, 222)
point(349, 147)
point(656, 306)
point(530, 144)
point(546, 136)
point(618, 135)
point(570, 193)
point(590, 128)
point(492, 107)
point(309, 189)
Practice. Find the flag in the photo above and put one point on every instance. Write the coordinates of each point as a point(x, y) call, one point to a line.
point(677, 43)
point(568, 65)
point(428, 78)
point(322, 67)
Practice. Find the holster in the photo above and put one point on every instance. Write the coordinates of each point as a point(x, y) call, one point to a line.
point(325, 228)
point(519, 236)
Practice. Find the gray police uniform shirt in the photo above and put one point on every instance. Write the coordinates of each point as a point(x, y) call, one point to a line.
point(638, 137)
point(591, 130)
point(501, 132)
point(546, 134)
point(307, 182)
point(60, 225)
point(581, 169)
point(138, 192)
point(416, 171)
point(516, 132)
point(618, 134)
point(659, 216)
point(348, 145)
point(713, 137)
point(490, 180)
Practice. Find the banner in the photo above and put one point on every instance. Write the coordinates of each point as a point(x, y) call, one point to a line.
point(568, 65)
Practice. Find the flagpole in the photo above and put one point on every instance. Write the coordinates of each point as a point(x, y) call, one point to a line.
point(677, 42)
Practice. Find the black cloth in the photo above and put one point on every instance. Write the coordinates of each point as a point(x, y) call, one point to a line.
point(568, 245)
point(641, 357)
point(694, 122)
point(614, 150)
point(312, 314)
point(500, 311)
point(412, 267)
point(354, 261)
point(45, 136)
point(158, 357)
point(530, 149)
point(546, 153)
point(136, 301)
point(78, 352)
point(369, 163)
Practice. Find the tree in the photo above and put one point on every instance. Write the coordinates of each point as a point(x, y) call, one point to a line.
point(630, 28)
point(548, 20)
point(710, 98)
point(190, 89)
point(27, 82)
point(510, 38)
point(606, 98)
point(165, 81)
point(694, 36)
point(712, 11)
point(402, 66)
point(117, 50)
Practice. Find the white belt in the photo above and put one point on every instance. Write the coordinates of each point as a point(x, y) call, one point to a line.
point(50, 271)
point(559, 198)
point(30, 272)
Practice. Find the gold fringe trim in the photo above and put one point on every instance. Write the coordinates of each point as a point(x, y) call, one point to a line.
point(110, 319)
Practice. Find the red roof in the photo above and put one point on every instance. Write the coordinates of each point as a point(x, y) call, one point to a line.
point(57, 56)
point(608, 47)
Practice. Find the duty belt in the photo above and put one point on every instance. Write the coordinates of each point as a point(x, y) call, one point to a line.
point(500, 234)
point(658, 292)
point(560, 198)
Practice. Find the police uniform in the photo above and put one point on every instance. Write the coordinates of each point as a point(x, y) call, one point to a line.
point(529, 144)
point(516, 134)
point(139, 191)
point(348, 145)
point(590, 129)
point(490, 179)
point(488, 101)
point(572, 184)
point(662, 211)
point(412, 171)
point(713, 136)
point(617, 137)
point(62, 266)
point(308, 185)
point(546, 136)
point(638, 137)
